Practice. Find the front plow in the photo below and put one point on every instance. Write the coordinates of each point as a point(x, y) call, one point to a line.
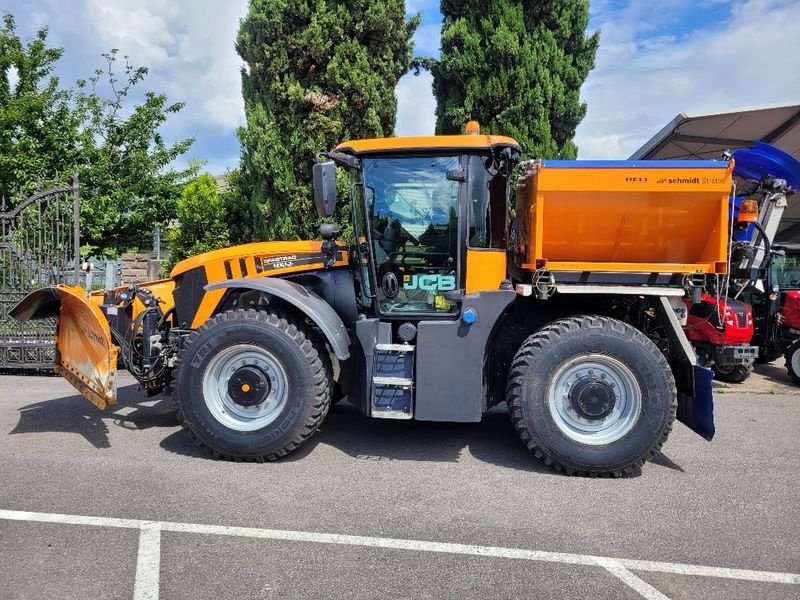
point(85, 352)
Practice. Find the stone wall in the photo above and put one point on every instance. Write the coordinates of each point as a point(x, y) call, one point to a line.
point(134, 268)
point(140, 268)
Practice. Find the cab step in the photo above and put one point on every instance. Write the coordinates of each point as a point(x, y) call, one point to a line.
point(393, 382)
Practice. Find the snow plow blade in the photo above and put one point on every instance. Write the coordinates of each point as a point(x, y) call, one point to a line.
point(85, 353)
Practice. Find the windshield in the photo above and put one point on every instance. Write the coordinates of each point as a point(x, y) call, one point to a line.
point(412, 210)
point(786, 271)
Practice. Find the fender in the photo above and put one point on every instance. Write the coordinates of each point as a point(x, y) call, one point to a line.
point(695, 399)
point(307, 301)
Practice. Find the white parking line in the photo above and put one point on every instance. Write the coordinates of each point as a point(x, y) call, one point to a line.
point(639, 585)
point(147, 570)
point(148, 563)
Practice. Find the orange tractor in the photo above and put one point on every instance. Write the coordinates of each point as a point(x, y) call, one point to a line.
point(451, 298)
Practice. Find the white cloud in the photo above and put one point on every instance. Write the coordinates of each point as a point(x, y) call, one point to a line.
point(139, 29)
point(643, 79)
point(416, 105)
point(188, 46)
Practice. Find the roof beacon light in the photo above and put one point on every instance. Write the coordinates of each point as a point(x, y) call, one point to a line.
point(748, 211)
point(472, 128)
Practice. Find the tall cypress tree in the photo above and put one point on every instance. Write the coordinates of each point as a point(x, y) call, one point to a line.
point(517, 67)
point(317, 72)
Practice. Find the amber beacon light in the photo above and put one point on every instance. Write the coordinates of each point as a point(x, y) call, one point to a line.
point(748, 211)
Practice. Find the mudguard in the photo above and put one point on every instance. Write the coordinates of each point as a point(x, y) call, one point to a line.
point(697, 411)
point(695, 398)
point(307, 301)
point(85, 353)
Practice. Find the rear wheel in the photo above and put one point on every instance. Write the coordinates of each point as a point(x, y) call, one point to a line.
point(591, 395)
point(793, 361)
point(252, 384)
point(732, 373)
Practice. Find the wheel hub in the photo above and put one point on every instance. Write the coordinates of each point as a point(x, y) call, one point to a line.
point(245, 387)
point(592, 398)
point(249, 386)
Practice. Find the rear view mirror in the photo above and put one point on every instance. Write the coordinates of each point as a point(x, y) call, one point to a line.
point(325, 188)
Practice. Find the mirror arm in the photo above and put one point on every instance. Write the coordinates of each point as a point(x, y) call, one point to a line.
point(345, 160)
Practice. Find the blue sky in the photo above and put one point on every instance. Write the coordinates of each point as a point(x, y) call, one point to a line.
point(656, 59)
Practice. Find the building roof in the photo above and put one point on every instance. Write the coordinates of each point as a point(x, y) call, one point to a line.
point(425, 143)
point(708, 136)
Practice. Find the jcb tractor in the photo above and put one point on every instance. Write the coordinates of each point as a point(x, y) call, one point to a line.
point(567, 304)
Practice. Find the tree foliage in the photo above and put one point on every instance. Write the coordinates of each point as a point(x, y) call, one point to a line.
point(202, 220)
point(38, 124)
point(517, 68)
point(47, 131)
point(127, 184)
point(317, 72)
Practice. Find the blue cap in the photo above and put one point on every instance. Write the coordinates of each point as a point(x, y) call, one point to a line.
point(469, 316)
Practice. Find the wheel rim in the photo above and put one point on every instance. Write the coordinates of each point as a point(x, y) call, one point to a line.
point(262, 387)
point(594, 399)
point(796, 361)
point(725, 369)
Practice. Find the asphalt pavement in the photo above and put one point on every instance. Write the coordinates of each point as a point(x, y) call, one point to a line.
point(121, 504)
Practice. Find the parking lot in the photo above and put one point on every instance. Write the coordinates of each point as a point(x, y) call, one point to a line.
point(122, 505)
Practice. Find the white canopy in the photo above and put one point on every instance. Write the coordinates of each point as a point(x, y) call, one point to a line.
point(708, 136)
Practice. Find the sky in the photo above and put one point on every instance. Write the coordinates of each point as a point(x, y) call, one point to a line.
point(656, 60)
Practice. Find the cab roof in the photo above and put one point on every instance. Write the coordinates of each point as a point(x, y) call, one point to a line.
point(426, 143)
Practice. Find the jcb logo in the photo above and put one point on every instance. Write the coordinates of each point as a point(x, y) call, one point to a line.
point(430, 283)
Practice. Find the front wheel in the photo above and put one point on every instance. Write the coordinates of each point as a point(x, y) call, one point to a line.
point(591, 395)
point(793, 360)
point(732, 373)
point(252, 384)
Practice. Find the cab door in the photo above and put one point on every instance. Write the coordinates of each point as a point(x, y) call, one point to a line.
point(414, 228)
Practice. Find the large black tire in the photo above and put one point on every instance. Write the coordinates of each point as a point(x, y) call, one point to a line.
point(793, 361)
point(562, 374)
point(290, 369)
point(733, 373)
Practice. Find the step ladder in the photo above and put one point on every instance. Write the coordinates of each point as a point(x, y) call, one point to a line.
point(393, 381)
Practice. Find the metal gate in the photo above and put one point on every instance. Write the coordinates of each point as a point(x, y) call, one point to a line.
point(39, 246)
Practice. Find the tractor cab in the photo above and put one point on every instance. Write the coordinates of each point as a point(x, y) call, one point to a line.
point(425, 211)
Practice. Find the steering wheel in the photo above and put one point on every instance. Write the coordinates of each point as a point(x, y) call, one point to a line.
point(382, 236)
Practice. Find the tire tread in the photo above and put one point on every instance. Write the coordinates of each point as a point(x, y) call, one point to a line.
point(525, 359)
point(316, 355)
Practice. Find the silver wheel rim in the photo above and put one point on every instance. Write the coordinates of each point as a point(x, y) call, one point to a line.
point(796, 361)
point(626, 392)
point(223, 407)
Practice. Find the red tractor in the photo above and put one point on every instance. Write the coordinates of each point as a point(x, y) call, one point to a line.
point(720, 331)
point(777, 310)
point(768, 272)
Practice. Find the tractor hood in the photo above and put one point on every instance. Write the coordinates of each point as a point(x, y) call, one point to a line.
point(257, 258)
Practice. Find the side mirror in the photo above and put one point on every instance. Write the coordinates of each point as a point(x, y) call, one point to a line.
point(325, 188)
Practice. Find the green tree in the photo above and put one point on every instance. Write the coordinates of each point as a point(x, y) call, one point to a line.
point(201, 219)
point(517, 68)
point(317, 72)
point(128, 185)
point(38, 124)
point(47, 131)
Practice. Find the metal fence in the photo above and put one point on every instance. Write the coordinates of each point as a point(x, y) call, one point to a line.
point(104, 274)
point(39, 247)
